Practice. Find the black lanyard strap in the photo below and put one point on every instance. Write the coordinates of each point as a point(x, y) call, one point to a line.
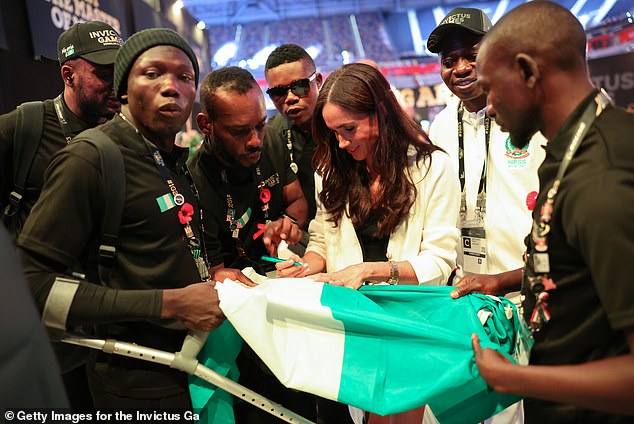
point(537, 264)
point(234, 223)
point(289, 146)
point(59, 110)
point(265, 197)
point(481, 200)
point(196, 247)
point(265, 193)
point(593, 110)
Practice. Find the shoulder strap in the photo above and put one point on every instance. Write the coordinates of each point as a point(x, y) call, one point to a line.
point(113, 189)
point(26, 140)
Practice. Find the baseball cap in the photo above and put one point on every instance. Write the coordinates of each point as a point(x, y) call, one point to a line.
point(94, 41)
point(470, 19)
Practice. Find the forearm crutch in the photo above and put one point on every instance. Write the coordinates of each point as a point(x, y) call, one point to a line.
point(185, 360)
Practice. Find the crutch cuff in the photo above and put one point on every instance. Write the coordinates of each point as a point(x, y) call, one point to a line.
point(57, 306)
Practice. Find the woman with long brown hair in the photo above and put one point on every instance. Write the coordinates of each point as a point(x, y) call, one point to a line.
point(387, 199)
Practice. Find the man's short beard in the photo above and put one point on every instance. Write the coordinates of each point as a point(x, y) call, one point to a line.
point(108, 115)
point(520, 140)
point(219, 150)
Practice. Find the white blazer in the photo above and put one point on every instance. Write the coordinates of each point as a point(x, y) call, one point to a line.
point(427, 238)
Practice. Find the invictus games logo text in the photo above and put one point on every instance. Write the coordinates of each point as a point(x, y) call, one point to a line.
point(106, 37)
point(458, 18)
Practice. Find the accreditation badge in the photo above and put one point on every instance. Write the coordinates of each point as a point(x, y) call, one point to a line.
point(474, 250)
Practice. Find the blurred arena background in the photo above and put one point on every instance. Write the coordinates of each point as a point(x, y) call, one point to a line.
point(391, 32)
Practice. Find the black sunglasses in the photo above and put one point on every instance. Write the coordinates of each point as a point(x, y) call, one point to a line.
point(299, 87)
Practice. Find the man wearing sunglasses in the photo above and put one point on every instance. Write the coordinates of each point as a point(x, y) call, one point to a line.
point(293, 87)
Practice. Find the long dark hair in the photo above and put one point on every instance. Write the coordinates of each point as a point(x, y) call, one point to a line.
point(363, 89)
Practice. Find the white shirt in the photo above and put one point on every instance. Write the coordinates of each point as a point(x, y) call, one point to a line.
point(511, 178)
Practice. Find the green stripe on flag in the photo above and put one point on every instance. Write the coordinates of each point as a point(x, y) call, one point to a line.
point(165, 202)
point(407, 346)
point(213, 405)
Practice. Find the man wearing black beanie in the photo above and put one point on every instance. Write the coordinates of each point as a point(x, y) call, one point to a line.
point(159, 285)
point(142, 41)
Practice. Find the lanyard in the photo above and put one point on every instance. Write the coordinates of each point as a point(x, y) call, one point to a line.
point(265, 193)
point(265, 197)
point(289, 146)
point(196, 247)
point(480, 209)
point(59, 110)
point(538, 263)
point(234, 224)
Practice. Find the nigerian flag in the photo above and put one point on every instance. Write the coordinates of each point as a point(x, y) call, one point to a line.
point(384, 349)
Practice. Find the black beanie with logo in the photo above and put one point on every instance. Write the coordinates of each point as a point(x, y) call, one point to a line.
point(139, 43)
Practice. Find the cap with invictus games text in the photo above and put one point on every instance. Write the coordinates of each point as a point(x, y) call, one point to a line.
point(472, 20)
point(95, 41)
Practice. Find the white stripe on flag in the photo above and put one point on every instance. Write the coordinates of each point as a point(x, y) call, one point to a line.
point(283, 332)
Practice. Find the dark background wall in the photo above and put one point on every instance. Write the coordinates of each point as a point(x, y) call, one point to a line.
point(25, 75)
point(22, 76)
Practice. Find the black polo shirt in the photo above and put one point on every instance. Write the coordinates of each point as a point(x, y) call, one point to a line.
point(152, 254)
point(242, 185)
point(52, 141)
point(303, 151)
point(591, 243)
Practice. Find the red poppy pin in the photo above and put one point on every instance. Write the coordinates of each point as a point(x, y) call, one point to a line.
point(265, 195)
point(186, 213)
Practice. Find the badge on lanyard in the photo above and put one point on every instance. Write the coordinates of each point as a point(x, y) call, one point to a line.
point(537, 263)
point(474, 244)
point(289, 146)
point(474, 250)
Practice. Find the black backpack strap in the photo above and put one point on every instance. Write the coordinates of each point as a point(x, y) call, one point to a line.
point(26, 140)
point(113, 189)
